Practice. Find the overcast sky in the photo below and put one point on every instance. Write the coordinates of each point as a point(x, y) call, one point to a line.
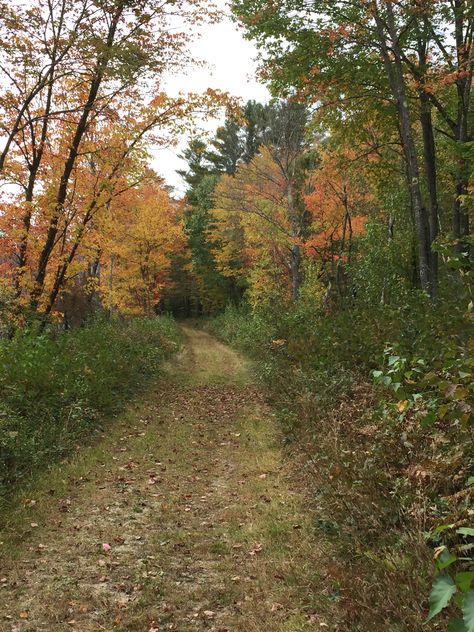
point(230, 66)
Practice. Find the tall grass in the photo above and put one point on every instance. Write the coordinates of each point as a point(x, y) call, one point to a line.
point(58, 390)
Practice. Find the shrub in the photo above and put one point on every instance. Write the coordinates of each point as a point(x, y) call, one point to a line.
point(58, 389)
point(387, 462)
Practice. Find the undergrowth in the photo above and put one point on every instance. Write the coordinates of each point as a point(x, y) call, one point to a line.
point(376, 404)
point(59, 389)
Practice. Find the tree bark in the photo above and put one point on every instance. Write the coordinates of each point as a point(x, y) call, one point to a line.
point(464, 88)
point(295, 266)
point(429, 153)
point(295, 251)
point(390, 48)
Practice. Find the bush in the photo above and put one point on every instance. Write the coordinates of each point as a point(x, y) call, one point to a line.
point(387, 461)
point(56, 390)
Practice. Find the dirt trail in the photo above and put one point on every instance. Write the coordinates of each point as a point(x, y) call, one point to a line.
point(182, 518)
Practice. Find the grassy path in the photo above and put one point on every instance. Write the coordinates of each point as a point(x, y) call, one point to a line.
point(183, 517)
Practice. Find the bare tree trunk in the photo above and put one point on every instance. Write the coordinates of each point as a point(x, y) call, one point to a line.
point(295, 266)
point(295, 251)
point(464, 89)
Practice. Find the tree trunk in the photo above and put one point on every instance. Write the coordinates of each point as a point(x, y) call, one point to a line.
point(429, 153)
point(394, 68)
point(295, 265)
point(460, 214)
point(464, 89)
point(81, 129)
point(295, 251)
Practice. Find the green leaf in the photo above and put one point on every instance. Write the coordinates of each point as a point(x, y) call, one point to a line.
point(465, 531)
point(445, 559)
point(464, 580)
point(441, 528)
point(428, 420)
point(460, 393)
point(441, 594)
point(442, 410)
point(456, 626)
point(430, 377)
point(468, 611)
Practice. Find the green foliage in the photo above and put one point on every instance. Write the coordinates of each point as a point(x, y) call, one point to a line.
point(468, 610)
point(56, 390)
point(380, 274)
point(443, 590)
point(455, 575)
point(437, 390)
point(314, 357)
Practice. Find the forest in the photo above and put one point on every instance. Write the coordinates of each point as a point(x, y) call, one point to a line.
point(263, 386)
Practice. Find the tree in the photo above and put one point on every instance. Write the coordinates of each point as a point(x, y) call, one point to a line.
point(80, 97)
point(141, 235)
point(235, 142)
point(339, 203)
point(341, 54)
point(262, 194)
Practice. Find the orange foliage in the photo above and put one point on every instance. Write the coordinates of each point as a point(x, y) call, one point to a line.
point(338, 202)
point(142, 233)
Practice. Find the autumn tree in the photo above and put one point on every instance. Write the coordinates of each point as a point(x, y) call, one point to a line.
point(254, 203)
point(406, 54)
point(339, 203)
point(80, 98)
point(139, 236)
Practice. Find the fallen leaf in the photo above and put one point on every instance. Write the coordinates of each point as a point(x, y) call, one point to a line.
point(256, 549)
point(209, 614)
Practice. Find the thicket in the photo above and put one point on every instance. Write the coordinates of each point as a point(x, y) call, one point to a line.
point(58, 389)
point(375, 400)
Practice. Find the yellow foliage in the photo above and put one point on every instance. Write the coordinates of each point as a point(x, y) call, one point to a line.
point(143, 232)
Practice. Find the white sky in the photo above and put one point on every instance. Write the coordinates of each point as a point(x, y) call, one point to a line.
point(230, 67)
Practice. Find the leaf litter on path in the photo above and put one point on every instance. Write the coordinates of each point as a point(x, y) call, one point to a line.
point(184, 519)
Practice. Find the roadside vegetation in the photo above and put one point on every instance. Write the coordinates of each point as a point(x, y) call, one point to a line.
point(376, 429)
point(58, 390)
